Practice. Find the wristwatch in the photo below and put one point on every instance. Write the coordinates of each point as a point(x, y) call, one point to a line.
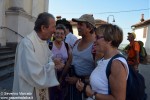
point(94, 96)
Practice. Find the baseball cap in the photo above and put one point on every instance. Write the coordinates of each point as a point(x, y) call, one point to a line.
point(133, 34)
point(85, 18)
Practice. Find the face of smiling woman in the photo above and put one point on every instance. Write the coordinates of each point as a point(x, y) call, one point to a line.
point(59, 35)
point(100, 43)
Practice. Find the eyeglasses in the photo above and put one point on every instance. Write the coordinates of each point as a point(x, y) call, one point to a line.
point(60, 33)
point(99, 37)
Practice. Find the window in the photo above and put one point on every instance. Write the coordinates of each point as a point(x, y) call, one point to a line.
point(144, 32)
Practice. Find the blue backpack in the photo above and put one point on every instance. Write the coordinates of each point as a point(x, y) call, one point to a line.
point(135, 84)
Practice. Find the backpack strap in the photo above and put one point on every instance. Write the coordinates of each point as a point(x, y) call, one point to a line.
point(76, 42)
point(50, 44)
point(108, 68)
point(67, 46)
point(145, 52)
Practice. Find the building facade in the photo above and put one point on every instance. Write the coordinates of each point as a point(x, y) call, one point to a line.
point(142, 31)
point(17, 18)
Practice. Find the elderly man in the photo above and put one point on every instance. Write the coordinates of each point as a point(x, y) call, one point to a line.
point(34, 68)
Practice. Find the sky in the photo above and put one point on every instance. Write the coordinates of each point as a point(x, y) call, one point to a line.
point(125, 12)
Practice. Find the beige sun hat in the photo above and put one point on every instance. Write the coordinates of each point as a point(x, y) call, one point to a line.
point(133, 34)
point(85, 18)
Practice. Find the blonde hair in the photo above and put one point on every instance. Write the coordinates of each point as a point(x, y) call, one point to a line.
point(111, 33)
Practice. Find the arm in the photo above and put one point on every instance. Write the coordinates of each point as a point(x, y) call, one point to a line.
point(67, 65)
point(70, 79)
point(137, 49)
point(137, 57)
point(118, 80)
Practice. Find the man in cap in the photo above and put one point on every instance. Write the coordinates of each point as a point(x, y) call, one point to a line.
point(132, 51)
point(82, 61)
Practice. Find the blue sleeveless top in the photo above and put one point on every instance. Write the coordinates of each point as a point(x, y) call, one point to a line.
point(83, 60)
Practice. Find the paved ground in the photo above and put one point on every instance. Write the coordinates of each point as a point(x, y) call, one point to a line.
point(145, 71)
point(6, 85)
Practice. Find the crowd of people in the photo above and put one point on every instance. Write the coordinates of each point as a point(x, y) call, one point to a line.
point(68, 68)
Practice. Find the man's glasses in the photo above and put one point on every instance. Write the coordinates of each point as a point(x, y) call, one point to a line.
point(99, 37)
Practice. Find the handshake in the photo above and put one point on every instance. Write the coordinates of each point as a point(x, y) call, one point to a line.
point(59, 64)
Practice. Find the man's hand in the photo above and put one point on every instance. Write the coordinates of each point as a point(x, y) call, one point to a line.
point(58, 63)
point(71, 80)
point(80, 85)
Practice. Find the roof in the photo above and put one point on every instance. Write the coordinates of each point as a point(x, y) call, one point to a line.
point(143, 23)
point(99, 22)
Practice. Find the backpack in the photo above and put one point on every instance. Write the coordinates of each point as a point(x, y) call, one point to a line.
point(135, 89)
point(142, 53)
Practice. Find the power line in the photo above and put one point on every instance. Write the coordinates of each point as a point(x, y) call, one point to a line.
point(111, 12)
point(126, 28)
point(125, 11)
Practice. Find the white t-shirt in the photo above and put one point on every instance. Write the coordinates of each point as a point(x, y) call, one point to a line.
point(98, 78)
point(71, 39)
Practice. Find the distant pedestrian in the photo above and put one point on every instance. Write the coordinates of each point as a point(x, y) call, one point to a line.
point(132, 51)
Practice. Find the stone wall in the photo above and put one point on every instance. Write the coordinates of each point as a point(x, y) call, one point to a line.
point(19, 15)
point(20, 22)
point(148, 59)
point(2, 23)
